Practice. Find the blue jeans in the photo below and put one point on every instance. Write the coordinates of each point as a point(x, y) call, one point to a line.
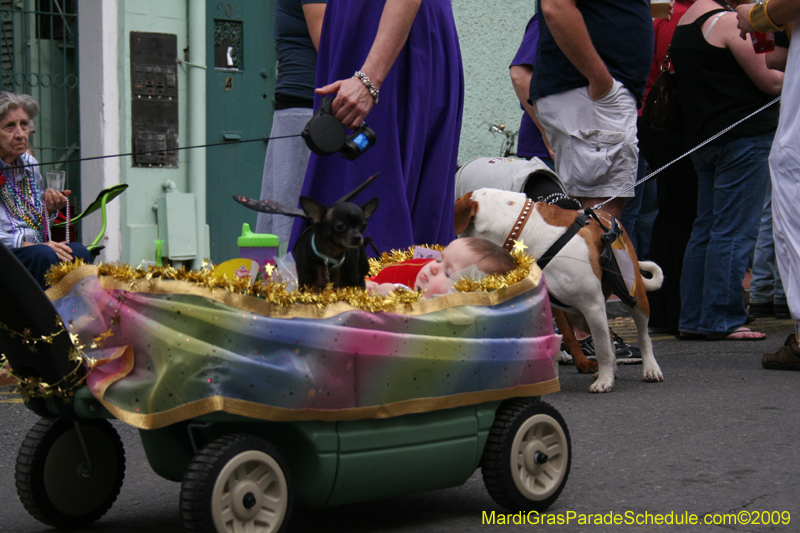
point(732, 181)
point(640, 212)
point(38, 259)
point(766, 285)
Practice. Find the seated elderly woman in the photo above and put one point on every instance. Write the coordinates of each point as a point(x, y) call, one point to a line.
point(26, 208)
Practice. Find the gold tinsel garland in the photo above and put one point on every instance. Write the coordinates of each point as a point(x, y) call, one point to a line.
point(34, 387)
point(277, 293)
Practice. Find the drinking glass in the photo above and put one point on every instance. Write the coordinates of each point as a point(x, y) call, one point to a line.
point(56, 179)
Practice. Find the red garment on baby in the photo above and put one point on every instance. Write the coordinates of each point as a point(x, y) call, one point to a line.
point(404, 272)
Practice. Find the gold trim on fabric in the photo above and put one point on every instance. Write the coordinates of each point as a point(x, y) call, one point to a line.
point(278, 414)
point(262, 307)
point(63, 287)
point(126, 352)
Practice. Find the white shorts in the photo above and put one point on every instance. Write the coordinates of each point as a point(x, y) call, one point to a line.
point(595, 143)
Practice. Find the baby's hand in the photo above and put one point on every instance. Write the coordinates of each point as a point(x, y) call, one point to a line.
point(384, 289)
point(381, 288)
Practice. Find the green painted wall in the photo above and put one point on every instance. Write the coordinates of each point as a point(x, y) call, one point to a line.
point(139, 224)
point(490, 32)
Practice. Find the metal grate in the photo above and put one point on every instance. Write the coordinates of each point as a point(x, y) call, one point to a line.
point(39, 57)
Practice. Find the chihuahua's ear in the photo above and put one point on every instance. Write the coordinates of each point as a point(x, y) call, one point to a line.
point(313, 209)
point(370, 207)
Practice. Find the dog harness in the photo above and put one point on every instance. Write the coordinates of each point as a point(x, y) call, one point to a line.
point(611, 239)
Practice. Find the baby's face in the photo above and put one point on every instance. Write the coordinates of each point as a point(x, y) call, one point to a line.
point(434, 278)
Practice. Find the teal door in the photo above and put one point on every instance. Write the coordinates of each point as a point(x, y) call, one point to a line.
point(241, 87)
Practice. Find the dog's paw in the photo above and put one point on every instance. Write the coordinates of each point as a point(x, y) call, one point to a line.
point(653, 375)
point(602, 385)
point(587, 368)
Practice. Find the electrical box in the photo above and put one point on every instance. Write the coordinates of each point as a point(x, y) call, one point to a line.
point(177, 225)
point(154, 106)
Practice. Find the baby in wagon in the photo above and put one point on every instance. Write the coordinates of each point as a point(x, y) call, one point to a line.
point(437, 276)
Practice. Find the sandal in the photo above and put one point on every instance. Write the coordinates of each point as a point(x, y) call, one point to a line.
point(739, 334)
point(786, 358)
point(684, 336)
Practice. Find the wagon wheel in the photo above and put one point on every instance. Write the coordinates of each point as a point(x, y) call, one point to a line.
point(236, 483)
point(527, 456)
point(56, 483)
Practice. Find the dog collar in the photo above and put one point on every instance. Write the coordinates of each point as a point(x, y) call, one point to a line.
point(330, 262)
point(516, 230)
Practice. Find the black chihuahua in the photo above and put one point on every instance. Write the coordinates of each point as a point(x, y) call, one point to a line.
point(332, 248)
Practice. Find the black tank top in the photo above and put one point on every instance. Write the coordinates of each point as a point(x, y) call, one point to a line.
point(714, 90)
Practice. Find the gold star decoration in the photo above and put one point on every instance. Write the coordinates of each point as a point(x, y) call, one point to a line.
point(519, 245)
point(103, 336)
point(270, 268)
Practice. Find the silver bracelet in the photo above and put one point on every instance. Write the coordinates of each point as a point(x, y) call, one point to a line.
point(373, 92)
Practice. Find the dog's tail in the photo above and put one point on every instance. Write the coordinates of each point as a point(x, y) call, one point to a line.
point(656, 275)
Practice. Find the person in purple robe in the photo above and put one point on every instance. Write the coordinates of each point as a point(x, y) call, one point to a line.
point(397, 65)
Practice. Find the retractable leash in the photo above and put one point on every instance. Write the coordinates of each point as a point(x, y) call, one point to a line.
point(178, 149)
point(324, 135)
point(723, 132)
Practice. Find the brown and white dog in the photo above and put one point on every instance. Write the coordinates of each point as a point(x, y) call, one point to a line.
point(574, 276)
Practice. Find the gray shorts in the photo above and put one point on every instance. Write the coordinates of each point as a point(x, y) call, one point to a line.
point(595, 143)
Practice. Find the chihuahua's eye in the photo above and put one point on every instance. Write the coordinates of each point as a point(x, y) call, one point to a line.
point(340, 227)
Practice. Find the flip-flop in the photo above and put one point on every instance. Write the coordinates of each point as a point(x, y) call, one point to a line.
point(684, 336)
point(739, 334)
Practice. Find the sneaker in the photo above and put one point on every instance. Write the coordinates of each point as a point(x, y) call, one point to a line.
point(781, 311)
point(760, 310)
point(564, 357)
point(787, 358)
point(623, 352)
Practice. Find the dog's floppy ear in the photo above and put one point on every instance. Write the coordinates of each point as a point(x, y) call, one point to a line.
point(464, 210)
point(370, 207)
point(268, 206)
point(352, 194)
point(314, 210)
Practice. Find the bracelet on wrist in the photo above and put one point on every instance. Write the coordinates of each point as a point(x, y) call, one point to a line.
point(373, 91)
point(760, 20)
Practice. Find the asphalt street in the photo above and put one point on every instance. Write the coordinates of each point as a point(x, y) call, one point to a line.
point(718, 437)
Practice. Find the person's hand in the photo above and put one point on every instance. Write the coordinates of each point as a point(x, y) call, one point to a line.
point(599, 88)
point(353, 101)
point(384, 289)
point(548, 148)
point(55, 200)
point(62, 249)
point(743, 19)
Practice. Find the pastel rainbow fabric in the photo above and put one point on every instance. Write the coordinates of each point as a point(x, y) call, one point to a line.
point(174, 351)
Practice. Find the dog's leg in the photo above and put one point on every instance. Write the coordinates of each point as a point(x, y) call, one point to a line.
point(596, 319)
point(650, 368)
point(583, 365)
